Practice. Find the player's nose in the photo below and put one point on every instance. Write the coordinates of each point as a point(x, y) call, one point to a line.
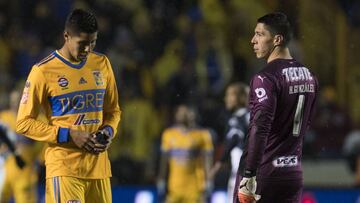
point(253, 40)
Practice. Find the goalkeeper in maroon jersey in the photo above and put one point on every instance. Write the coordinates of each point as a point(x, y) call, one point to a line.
point(281, 102)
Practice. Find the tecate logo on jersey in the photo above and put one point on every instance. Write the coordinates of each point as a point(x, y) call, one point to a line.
point(286, 161)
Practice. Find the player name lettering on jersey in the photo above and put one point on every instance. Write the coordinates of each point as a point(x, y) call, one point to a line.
point(293, 89)
point(294, 74)
point(286, 161)
point(78, 102)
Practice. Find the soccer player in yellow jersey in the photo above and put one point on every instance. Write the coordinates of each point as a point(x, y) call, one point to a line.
point(188, 151)
point(20, 182)
point(76, 88)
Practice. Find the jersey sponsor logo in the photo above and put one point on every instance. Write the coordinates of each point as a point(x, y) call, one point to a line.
point(98, 78)
point(286, 161)
point(294, 74)
point(261, 94)
point(82, 81)
point(261, 78)
point(27, 84)
point(77, 102)
point(25, 95)
point(82, 121)
point(63, 82)
point(24, 98)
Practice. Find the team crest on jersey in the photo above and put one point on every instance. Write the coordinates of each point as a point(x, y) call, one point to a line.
point(98, 78)
point(63, 82)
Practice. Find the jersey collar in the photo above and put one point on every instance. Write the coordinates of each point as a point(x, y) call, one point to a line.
point(67, 62)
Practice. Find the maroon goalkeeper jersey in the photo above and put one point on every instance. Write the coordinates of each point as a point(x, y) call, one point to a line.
point(282, 100)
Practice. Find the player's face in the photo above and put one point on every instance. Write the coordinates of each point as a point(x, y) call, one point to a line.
point(80, 45)
point(263, 41)
point(231, 98)
point(181, 114)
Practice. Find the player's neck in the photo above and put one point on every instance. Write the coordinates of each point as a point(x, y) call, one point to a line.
point(65, 53)
point(279, 53)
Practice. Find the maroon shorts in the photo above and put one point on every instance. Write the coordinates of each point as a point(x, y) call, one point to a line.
point(280, 191)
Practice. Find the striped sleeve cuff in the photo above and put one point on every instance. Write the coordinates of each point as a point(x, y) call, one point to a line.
point(63, 135)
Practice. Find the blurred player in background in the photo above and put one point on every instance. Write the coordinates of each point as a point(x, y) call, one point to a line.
point(236, 101)
point(76, 88)
point(187, 149)
point(21, 177)
point(282, 100)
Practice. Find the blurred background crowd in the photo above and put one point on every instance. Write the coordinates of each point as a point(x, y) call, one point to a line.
point(165, 53)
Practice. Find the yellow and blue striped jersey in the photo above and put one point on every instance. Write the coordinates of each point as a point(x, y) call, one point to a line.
point(79, 96)
point(185, 150)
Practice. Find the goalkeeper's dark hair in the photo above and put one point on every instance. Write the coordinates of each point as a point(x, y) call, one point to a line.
point(81, 21)
point(278, 24)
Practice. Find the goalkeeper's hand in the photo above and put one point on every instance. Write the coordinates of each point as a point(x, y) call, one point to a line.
point(247, 189)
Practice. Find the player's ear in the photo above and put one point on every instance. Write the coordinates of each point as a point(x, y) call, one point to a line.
point(66, 36)
point(278, 40)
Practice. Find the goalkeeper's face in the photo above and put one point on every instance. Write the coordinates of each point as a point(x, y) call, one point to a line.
point(80, 45)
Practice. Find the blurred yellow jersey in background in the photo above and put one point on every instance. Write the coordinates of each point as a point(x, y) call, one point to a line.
point(79, 96)
point(185, 150)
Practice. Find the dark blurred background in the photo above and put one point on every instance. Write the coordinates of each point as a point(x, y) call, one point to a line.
point(168, 52)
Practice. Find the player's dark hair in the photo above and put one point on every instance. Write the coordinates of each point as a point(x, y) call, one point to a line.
point(81, 21)
point(242, 91)
point(241, 88)
point(278, 24)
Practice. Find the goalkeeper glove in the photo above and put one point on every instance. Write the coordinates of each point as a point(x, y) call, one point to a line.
point(246, 191)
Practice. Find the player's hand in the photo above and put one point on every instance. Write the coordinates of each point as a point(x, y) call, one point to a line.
point(103, 137)
point(86, 141)
point(247, 189)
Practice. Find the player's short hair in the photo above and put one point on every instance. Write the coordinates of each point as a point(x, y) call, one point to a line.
point(241, 88)
point(81, 21)
point(278, 24)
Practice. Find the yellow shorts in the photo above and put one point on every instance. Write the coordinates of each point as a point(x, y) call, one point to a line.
point(194, 197)
point(76, 190)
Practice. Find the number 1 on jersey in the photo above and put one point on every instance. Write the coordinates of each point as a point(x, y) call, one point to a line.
point(298, 116)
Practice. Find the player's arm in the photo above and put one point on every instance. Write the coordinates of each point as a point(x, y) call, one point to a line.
point(263, 102)
point(111, 108)
point(34, 96)
point(232, 140)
